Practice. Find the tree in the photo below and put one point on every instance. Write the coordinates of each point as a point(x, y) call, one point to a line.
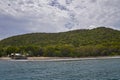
point(12, 49)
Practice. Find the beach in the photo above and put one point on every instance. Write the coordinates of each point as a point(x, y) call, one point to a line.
point(62, 58)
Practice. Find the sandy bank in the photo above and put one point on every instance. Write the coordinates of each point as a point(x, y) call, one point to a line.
point(62, 58)
point(5, 58)
point(69, 58)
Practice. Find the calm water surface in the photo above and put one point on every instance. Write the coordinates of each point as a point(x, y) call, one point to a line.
point(61, 70)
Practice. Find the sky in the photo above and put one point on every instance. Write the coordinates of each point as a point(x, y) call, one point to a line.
point(31, 16)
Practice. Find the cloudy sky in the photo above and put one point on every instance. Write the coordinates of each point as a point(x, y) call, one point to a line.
point(28, 16)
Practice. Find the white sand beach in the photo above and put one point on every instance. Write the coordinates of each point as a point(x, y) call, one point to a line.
point(69, 58)
point(62, 58)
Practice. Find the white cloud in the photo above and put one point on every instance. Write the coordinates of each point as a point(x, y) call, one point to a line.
point(57, 15)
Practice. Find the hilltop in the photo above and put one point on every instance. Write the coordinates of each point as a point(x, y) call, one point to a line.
point(75, 37)
point(88, 42)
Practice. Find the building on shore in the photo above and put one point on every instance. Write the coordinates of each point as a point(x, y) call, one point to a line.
point(18, 56)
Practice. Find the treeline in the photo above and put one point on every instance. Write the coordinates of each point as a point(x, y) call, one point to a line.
point(78, 43)
point(64, 50)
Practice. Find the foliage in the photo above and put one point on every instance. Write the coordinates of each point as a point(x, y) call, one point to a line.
point(78, 43)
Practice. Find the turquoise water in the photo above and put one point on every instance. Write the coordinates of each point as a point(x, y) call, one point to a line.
point(60, 70)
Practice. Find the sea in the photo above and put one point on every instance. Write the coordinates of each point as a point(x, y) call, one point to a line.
point(105, 69)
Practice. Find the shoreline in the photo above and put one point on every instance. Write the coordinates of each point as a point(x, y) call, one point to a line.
point(60, 58)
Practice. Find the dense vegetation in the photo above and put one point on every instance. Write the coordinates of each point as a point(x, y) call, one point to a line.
point(78, 43)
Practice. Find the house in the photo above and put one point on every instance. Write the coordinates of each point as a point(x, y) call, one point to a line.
point(17, 56)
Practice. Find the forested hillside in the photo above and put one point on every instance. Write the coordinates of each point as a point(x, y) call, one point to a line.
point(77, 43)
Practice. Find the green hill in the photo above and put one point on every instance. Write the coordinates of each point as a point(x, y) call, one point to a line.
point(99, 41)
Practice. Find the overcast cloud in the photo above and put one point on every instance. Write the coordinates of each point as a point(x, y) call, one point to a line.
point(28, 16)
